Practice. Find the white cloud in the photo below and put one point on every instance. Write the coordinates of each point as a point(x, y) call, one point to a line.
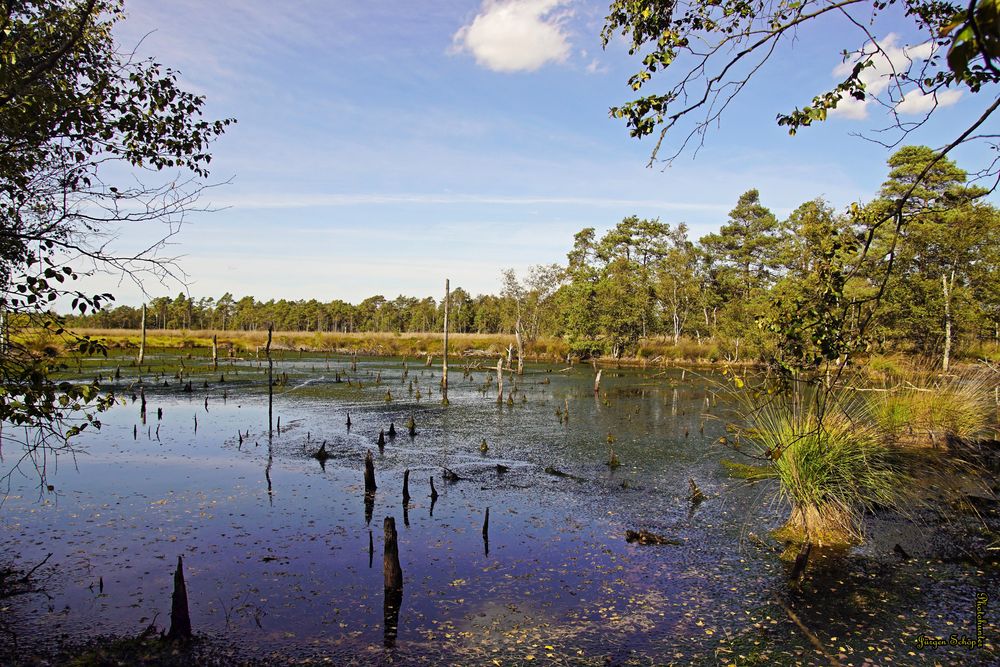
point(595, 67)
point(889, 61)
point(515, 35)
point(917, 102)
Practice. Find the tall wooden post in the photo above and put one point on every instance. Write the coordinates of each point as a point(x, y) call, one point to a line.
point(444, 362)
point(215, 352)
point(270, 381)
point(142, 341)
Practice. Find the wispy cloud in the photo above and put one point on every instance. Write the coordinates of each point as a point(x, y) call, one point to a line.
point(889, 62)
point(314, 200)
point(516, 35)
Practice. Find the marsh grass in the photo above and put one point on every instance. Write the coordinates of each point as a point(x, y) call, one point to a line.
point(929, 410)
point(833, 468)
point(650, 350)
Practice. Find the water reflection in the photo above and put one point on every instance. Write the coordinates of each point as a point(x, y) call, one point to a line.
point(391, 604)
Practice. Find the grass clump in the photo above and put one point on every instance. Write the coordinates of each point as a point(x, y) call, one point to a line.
point(832, 468)
point(928, 411)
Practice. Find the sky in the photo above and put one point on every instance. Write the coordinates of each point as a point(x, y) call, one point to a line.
point(384, 146)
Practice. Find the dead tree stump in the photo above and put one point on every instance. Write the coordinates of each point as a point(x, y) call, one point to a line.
point(391, 571)
point(369, 474)
point(180, 618)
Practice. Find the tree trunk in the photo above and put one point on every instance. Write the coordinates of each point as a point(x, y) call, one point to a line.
point(946, 287)
point(500, 380)
point(520, 347)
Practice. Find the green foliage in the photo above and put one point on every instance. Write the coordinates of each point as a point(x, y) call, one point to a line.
point(711, 49)
point(72, 108)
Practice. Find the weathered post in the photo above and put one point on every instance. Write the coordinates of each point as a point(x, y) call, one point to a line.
point(180, 618)
point(270, 381)
point(392, 573)
point(597, 382)
point(406, 486)
point(215, 352)
point(444, 360)
point(142, 341)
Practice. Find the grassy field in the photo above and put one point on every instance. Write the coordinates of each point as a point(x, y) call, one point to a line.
point(652, 351)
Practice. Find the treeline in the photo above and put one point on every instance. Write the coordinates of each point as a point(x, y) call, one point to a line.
point(932, 273)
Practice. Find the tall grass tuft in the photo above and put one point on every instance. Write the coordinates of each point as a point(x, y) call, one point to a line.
point(833, 469)
point(929, 410)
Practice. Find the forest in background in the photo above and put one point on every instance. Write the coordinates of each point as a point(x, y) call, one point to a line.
point(739, 288)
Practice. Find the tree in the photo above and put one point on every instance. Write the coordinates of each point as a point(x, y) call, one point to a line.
point(677, 280)
point(943, 253)
point(73, 109)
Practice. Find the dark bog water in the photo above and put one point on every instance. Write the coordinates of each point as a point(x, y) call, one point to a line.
point(276, 546)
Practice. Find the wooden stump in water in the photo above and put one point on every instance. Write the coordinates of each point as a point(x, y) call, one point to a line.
point(392, 573)
point(694, 493)
point(406, 486)
point(369, 474)
point(180, 618)
point(381, 440)
point(434, 493)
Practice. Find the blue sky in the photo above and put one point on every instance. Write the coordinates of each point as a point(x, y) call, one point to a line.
point(382, 147)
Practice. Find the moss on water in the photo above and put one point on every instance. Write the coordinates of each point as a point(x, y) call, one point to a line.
point(752, 473)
